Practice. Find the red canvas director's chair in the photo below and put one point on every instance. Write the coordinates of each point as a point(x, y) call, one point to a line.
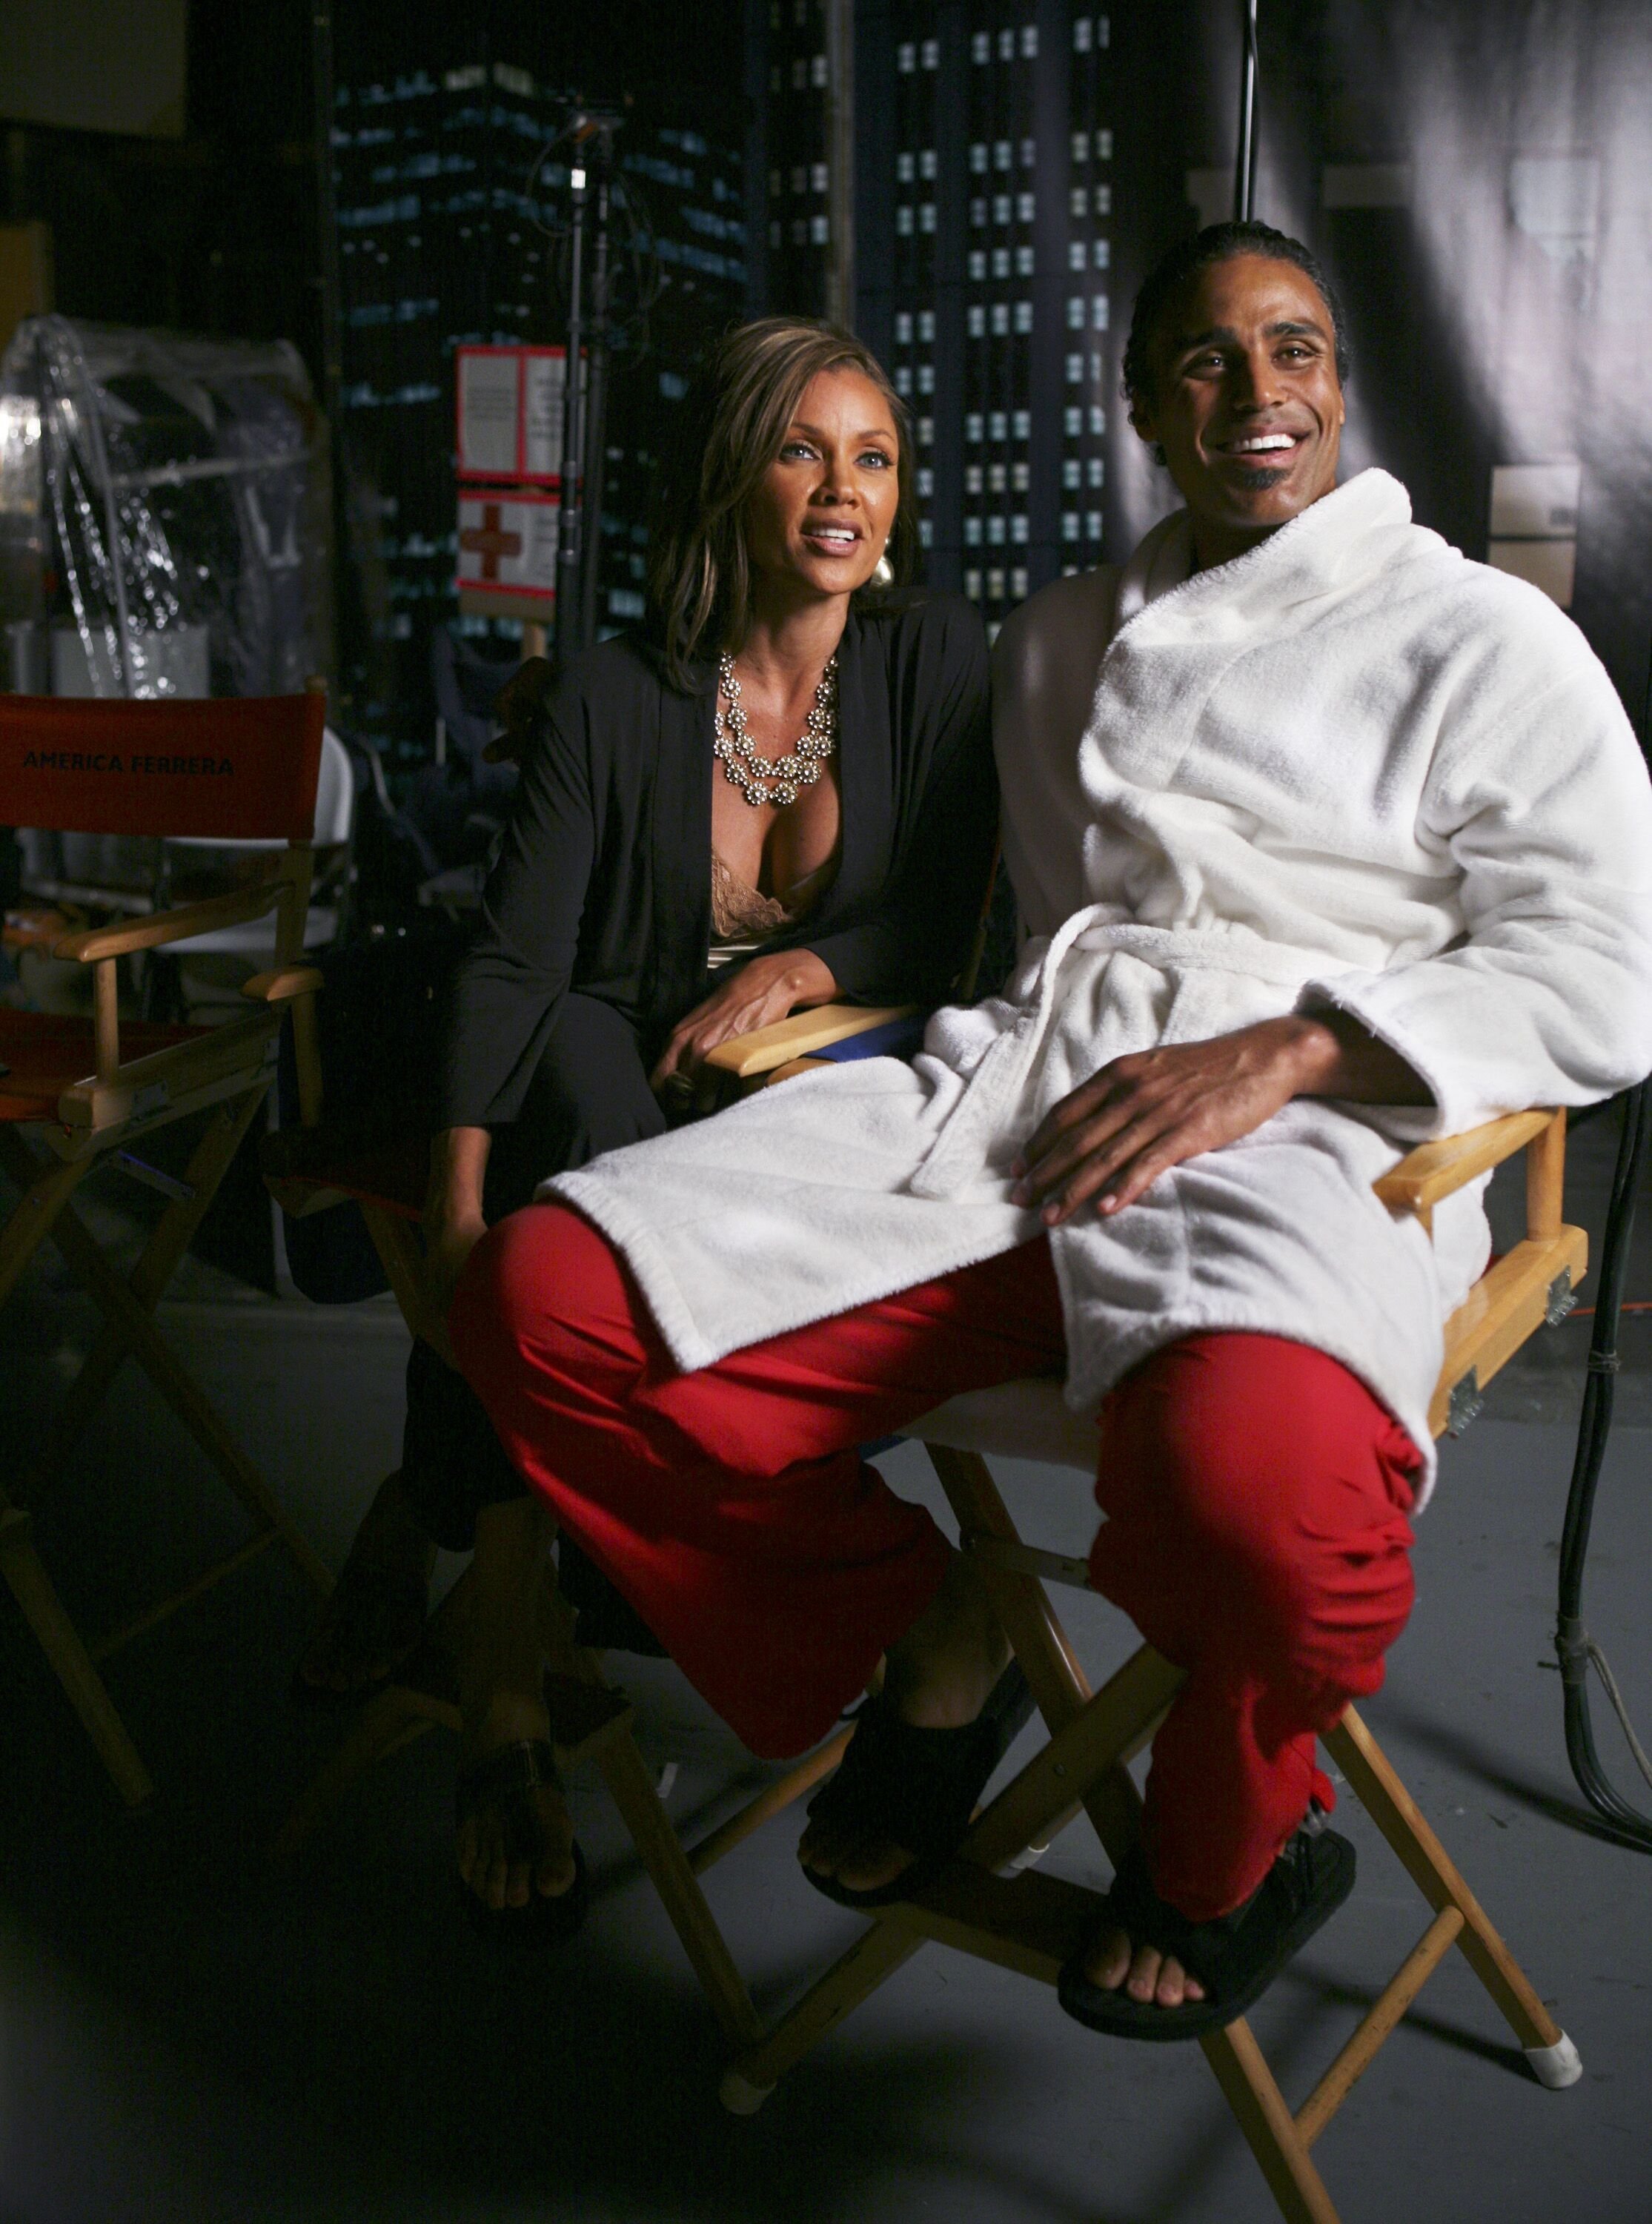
point(77, 1094)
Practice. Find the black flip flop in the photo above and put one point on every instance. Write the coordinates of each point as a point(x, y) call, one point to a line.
point(379, 1607)
point(919, 1786)
point(505, 1780)
point(1235, 1958)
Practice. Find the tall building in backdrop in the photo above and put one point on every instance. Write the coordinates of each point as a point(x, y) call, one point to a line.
point(970, 221)
point(452, 212)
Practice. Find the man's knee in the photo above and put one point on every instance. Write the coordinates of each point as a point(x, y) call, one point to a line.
point(525, 1282)
point(1270, 1465)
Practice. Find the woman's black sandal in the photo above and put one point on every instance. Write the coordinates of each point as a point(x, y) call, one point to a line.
point(917, 1788)
point(505, 1781)
point(1235, 1958)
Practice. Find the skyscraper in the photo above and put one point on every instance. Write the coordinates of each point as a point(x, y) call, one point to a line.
point(452, 209)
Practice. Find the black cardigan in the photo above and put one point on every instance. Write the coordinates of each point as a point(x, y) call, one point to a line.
point(603, 883)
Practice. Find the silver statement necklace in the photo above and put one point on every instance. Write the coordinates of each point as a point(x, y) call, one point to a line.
point(773, 779)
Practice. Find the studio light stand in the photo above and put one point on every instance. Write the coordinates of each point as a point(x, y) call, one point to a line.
point(585, 404)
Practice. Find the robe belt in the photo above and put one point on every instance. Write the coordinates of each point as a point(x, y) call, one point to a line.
point(960, 1151)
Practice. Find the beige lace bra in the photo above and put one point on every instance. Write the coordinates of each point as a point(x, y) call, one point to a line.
point(743, 919)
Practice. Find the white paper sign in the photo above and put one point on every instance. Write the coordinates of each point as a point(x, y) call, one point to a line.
point(490, 383)
point(510, 401)
point(544, 377)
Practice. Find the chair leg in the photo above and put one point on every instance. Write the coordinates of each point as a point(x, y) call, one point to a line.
point(399, 1255)
point(181, 1392)
point(208, 1162)
point(876, 1955)
point(47, 1187)
point(1040, 1643)
point(1259, 2109)
point(61, 1642)
point(391, 1719)
point(631, 1788)
point(772, 1800)
point(1553, 2057)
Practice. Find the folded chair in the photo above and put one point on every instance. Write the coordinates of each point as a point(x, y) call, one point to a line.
point(1032, 1922)
point(310, 1169)
point(77, 1094)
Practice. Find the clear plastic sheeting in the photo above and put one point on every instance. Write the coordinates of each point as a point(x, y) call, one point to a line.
point(163, 514)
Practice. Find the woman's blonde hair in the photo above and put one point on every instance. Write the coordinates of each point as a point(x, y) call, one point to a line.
point(732, 425)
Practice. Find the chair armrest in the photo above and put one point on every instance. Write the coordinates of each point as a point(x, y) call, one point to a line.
point(285, 982)
point(1433, 1171)
point(764, 1048)
point(94, 944)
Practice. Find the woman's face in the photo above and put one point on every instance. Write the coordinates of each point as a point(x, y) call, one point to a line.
point(822, 511)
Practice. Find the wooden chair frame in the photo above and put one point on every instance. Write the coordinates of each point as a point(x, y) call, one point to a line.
point(589, 1718)
point(225, 1072)
point(1032, 1922)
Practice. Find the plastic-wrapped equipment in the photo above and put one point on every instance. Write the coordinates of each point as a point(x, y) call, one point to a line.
point(164, 515)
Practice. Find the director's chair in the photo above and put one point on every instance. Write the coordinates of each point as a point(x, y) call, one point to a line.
point(77, 1094)
point(1032, 1922)
point(313, 1169)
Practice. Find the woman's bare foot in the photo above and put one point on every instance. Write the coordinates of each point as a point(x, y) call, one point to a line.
point(499, 1656)
point(1145, 1973)
point(939, 1676)
point(375, 1616)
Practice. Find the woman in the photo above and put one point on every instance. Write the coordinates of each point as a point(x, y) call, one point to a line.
point(780, 794)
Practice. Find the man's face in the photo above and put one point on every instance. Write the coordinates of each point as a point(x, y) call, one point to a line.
point(1245, 402)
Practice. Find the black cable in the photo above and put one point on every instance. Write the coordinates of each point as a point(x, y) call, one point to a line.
point(1577, 1651)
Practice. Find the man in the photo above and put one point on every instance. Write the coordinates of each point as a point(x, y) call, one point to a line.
point(1326, 841)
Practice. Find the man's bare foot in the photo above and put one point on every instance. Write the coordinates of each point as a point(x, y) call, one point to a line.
point(938, 1676)
point(374, 1618)
point(521, 1840)
point(1145, 1973)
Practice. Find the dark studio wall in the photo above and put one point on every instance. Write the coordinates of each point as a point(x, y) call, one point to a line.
point(1476, 179)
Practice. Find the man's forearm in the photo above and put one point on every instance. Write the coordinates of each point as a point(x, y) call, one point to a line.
point(1339, 1058)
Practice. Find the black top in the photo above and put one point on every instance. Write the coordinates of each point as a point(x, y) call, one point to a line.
point(603, 883)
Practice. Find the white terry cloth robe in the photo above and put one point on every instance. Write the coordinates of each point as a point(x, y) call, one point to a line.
point(1348, 768)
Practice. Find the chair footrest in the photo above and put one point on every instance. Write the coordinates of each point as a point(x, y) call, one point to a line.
point(1028, 1922)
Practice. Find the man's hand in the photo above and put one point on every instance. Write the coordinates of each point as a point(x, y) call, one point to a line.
point(764, 988)
point(1117, 1133)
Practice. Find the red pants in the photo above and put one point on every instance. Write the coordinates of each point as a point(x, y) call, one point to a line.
point(1255, 1496)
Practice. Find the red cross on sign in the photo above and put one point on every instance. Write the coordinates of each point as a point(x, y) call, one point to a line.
point(490, 540)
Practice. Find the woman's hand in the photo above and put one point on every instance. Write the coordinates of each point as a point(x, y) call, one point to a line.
point(453, 1224)
point(519, 705)
point(764, 988)
point(1111, 1138)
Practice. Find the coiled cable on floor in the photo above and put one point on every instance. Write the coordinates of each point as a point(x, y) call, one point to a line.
point(1577, 1650)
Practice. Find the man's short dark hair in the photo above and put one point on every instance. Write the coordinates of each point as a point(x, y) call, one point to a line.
point(1217, 243)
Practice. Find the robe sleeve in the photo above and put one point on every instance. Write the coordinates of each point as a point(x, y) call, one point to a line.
point(914, 942)
point(1540, 796)
point(509, 987)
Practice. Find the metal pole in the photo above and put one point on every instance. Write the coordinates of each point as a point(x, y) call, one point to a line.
point(596, 391)
point(573, 441)
point(840, 162)
point(327, 277)
point(1245, 159)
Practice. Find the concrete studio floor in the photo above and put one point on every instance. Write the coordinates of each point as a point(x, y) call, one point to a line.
point(187, 2032)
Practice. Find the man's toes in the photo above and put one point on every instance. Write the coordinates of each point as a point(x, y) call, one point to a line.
point(1108, 1967)
point(1141, 1984)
